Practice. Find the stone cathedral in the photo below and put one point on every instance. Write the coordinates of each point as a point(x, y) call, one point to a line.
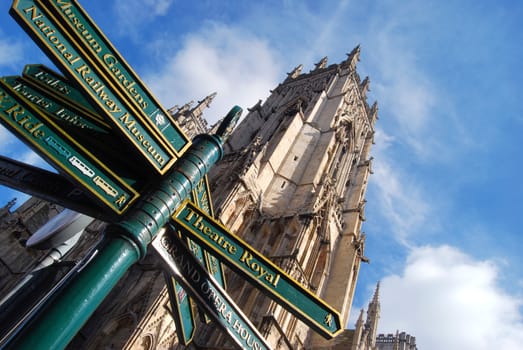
point(292, 184)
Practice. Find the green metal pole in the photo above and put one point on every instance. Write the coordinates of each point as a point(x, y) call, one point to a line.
point(124, 243)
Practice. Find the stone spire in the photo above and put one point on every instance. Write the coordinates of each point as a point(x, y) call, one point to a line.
point(364, 86)
point(373, 115)
point(374, 305)
point(191, 119)
point(358, 333)
point(295, 72)
point(397, 341)
point(199, 108)
point(180, 110)
point(353, 57)
point(373, 316)
point(321, 64)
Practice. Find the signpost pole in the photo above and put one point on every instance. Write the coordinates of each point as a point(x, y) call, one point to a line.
point(124, 244)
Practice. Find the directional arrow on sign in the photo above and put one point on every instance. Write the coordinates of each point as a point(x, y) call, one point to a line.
point(257, 269)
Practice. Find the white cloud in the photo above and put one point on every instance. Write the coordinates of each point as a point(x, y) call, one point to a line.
point(6, 138)
point(10, 52)
point(399, 198)
point(30, 157)
point(131, 14)
point(237, 65)
point(405, 89)
point(448, 300)
point(416, 106)
point(14, 148)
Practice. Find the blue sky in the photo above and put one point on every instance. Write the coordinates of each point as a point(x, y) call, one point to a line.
point(443, 213)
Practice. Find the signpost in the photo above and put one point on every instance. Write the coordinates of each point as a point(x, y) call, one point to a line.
point(183, 314)
point(257, 269)
point(104, 97)
point(209, 294)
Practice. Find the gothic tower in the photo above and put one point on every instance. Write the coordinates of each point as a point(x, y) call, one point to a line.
point(292, 185)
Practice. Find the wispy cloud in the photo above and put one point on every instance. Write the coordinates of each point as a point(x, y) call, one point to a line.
point(30, 157)
point(401, 201)
point(133, 14)
point(6, 138)
point(11, 52)
point(407, 91)
point(449, 300)
point(238, 65)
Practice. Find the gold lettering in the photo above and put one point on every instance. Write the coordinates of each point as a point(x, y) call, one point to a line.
point(247, 258)
point(189, 215)
point(3, 98)
point(98, 88)
point(276, 279)
point(130, 125)
point(16, 112)
point(34, 15)
point(66, 9)
point(113, 64)
point(48, 33)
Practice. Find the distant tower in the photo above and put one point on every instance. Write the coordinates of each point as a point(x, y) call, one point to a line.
point(373, 316)
point(400, 341)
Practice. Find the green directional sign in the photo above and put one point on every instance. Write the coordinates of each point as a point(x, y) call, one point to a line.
point(49, 140)
point(182, 310)
point(201, 196)
point(44, 78)
point(183, 266)
point(54, 39)
point(90, 133)
point(85, 32)
point(59, 110)
point(257, 269)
